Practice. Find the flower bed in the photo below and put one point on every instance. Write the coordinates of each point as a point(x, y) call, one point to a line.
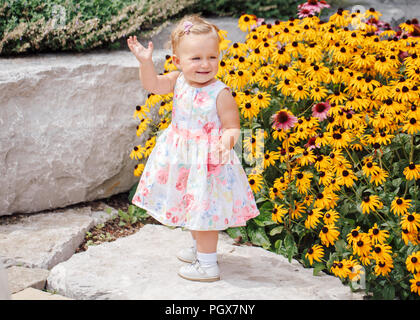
point(334, 158)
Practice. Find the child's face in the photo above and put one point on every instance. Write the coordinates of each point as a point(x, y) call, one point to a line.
point(198, 58)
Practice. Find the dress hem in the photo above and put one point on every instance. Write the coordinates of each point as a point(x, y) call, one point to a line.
point(154, 215)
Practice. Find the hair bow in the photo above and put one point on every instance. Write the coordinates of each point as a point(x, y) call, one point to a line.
point(187, 26)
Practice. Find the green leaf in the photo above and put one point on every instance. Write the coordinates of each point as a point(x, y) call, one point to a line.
point(318, 267)
point(258, 237)
point(389, 293)
point(238, 232)
point(276, 230)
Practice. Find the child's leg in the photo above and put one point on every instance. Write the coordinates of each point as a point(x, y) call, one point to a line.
point(207, 247)
point(206, 241)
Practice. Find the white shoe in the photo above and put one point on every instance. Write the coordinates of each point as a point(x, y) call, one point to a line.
point(187, 255)
point(196, 272)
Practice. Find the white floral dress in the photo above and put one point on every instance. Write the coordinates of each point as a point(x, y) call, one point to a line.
point(179, 185)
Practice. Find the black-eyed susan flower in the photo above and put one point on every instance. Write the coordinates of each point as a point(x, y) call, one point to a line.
point(249, 109)
point(331, 217)
point(411, 125)
point(362, 246)
point(238, 48)
point(299, 208)
point(379, 177)
point(370, 168)
point(400, 206)
point(246, 21)
point(138, 169)
point(312, 218)
point(340, 269)
point(377, 235)
point(278, 213)
point(261, 99)
point(410, 222)
point(383, 267)
point(415, 284)
point(316, 252)
point(303, 181)
point(329, 234)
point(381, 252)
point(412, 172)
point(354, 235)
point(371, 203)
point(346, 177)
point(256, 182)
point(413, 262)
point(270, 158)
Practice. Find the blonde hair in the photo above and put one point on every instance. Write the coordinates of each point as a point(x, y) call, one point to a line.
point(199, 26)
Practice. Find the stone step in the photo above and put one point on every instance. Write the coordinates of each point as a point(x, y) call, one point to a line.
point(144, 266)
point(36, 294)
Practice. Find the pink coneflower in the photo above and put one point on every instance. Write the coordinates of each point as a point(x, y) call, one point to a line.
point(283, 120)
point(320, 110)
point(311, 7)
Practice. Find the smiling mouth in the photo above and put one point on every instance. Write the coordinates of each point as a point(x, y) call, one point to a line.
point(203, 72)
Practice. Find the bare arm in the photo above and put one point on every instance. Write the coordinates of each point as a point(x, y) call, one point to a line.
point(228, 112)
point(157, 84)
point(150, 80)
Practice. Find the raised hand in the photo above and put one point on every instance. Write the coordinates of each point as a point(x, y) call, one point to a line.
point(142, 54)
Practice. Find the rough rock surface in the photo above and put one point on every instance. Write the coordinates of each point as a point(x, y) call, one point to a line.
point(45, 239)
point(144, 266)
point(21, 278)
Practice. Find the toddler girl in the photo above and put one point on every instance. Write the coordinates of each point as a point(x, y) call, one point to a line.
point(193, 177)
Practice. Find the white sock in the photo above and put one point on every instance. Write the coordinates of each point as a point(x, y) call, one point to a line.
point(195, 244)
point(207, 259)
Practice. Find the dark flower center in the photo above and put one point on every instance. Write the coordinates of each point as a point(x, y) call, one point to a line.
point(282, 117)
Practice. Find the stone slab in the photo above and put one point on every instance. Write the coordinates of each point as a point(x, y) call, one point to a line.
point(144, 266)
point(35, 294)
point(21, 278)
point(44, 239)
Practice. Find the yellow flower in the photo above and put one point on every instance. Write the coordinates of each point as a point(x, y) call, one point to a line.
point(413, 262)
point(256, 182)
point(261, 99)
point(400, 206)
point(316, 252)
point(238, 48)
point(331, 216)
point(377, 235)
point(412, 126)
point(246, 21)
point(411, 222)
point(313, 218)
point(362, 246)
point(303, 182)
point(412, 172)
point(299, 209)
point(329, 234)
point(379, 177)
point(371, 203)
point(340, 269)
point(415, 284)
point(278, 213)
point(381, 252)
point(383, 267)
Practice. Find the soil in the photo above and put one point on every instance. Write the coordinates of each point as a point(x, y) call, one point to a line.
point(111, 230)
